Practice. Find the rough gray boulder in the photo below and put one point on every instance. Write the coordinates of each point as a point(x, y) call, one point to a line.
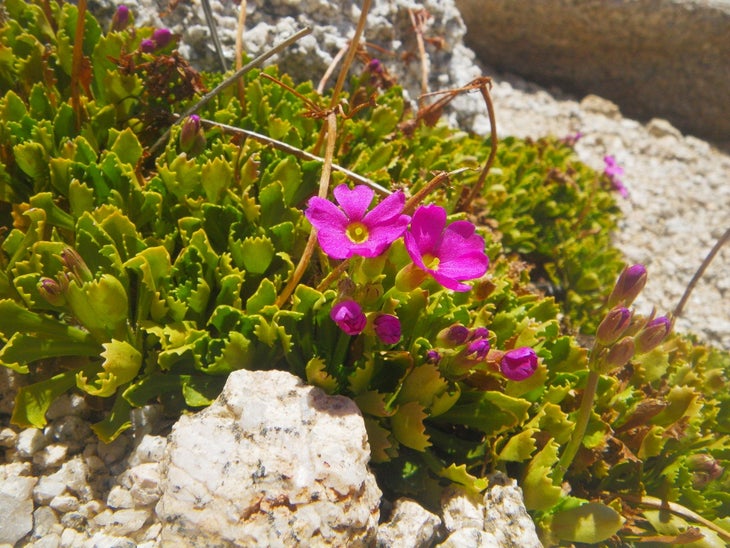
point(654, 58)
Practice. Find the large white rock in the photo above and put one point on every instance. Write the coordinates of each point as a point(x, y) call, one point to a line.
point(271, 462)
point(16, 503)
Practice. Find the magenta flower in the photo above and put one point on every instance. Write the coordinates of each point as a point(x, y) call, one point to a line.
point(120, 20)
point(147, 45)
point(352, 230)
point(519, 364)
point(450, 254)
point(614, 171)
point(349, 317)
point(387, 328)
point(653, 334)
point(161, 37)
point(477, 350)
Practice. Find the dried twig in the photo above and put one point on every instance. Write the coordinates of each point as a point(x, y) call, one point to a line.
point(214, 33)
point(299, 153)
point(230, 80)
point(418, 21)
point(700, 271)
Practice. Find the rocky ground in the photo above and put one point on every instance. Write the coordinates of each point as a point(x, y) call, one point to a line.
point(76, 491)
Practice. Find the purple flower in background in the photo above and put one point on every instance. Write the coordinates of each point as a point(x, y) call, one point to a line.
point(120, 20)
point(450, 254)
point(519, 364)
point(349, 317)
point(352, 230)
point(161, 37)
point(387, 328)
point(147, 45)
point(433, 356)
point(614, 171)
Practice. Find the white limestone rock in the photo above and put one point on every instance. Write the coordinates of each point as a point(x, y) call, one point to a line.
point(271, 462)
point(410, 526)
point(16, 503)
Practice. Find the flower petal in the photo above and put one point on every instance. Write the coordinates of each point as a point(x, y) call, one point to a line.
point(354, 202)
point(336, 244)
point(386, 211)
point(426, 227)
point(323, 214)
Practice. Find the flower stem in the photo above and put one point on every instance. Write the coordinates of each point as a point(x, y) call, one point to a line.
point(581, 423)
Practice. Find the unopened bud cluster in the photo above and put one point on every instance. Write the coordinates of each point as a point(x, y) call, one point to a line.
point(620, 335)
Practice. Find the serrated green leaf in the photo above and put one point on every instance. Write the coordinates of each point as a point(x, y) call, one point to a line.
point(408, 428)
point(25, 348)
point(539, 490)
point(32, 401)
point(519, 447)
point(121, 364)
point(590, 523)
point(316, 371)
point(459, 474)
point(265, 296)
point(257, 254)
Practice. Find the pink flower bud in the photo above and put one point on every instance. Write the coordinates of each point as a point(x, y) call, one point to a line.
point(51, 291)
point(161, 37)
point(192, 138)
point(613, 325)
point(630, 283)
point(147, 46)
point(620, 353)
point(76, 265)
point(652, 334)
point(387, 328)
point(454, 335)
point(519, 364)
point(704, 469)
point(349, 317)
point(477, 350)
point(120, 20)
point(433, 356)
point(479, 333)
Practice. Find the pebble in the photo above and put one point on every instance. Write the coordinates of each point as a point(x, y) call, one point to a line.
point(30, 441)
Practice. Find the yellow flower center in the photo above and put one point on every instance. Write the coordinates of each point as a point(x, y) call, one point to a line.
point(357, 232)
point(431, 262)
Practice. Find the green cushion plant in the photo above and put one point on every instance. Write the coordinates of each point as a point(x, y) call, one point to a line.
point(137, 272)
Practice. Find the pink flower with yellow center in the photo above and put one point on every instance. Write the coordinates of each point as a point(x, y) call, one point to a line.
point(450, 254)
point(351, 229)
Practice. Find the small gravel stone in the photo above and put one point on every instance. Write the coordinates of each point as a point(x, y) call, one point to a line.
point(51, 456)
point(65, 405)
point(91, 508)
point(8, 437)
point(145, 479)
point(65, 503)
point(47, 488)
point(30, 441)
point(150, 449)
point(71, 430)
point(119, 497)
point(52, 540)
point(102, 540)
point(114, 451)
point(71, 538)
point(45, 522)
point(128, 521)
point(74, 520)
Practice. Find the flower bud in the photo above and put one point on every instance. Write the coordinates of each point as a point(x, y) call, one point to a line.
point(452, 336)
point(147, 46)
point(161, 37)
point(704, 469)
point(477, 350)
point(519, 364)
point(433, 356)
point(52, 291)
point(349, 317)
point(630, 283)
point(76, 265)
point(192, 138)
point(387, 328)
point(478, 333)
point(652, 334)
point(120, 20)
point(620, 353)
point(613, 325)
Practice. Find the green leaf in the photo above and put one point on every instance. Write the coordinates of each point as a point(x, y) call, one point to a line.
point(15, 318)
point(539, 490)
point(121, 364)
point(25, 348)
point(116, 421)
point(257, 254)
point(101, 306)
point(519, 447)
point(459, 474)
point(490, 412)
point(217, 175)
point(126, 146)
point(316, 371)
point(33, 400)
point(590, 523)
point(408, 428)
point(265, 296)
